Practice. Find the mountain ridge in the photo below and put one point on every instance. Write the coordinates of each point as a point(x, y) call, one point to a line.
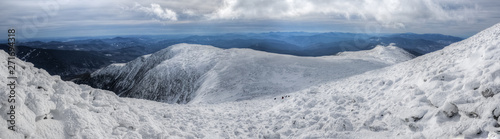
point(205, 70)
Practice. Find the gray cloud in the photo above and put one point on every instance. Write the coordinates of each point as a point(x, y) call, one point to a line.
point(392, 13)
point(455, 17)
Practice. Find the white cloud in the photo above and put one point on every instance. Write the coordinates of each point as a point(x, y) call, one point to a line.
point(157, 12)
point(189, 12)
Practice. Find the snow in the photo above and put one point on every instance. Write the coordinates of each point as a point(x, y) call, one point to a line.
point(118, 65)
point(387, 54)
point(451, 93)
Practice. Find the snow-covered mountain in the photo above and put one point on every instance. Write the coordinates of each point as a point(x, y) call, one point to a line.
point(205, 74)
point(64, 56)
point(453, 92)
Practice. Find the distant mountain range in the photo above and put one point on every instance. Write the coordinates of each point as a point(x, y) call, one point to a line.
point(70, 58)
point(70, 64)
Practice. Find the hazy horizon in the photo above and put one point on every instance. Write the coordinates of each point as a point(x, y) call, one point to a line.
point(183, 35)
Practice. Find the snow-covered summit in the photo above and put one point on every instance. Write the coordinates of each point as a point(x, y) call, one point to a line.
point(204, 74)
point(387, 54)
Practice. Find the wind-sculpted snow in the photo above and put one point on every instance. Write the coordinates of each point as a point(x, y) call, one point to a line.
point(47, 107)
point(204, 74)
point(453, 92)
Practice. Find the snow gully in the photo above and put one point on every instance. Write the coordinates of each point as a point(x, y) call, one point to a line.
point(11, 120)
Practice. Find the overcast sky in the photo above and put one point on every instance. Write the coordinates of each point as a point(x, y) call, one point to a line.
point(60, 18)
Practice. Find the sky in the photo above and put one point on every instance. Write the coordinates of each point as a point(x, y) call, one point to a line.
point(65, 18)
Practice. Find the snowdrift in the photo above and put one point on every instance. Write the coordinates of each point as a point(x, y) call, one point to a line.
point(204, 74)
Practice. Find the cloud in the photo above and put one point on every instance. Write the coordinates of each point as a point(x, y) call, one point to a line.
point(454, 17)
point(156, 11)
point(392, 13)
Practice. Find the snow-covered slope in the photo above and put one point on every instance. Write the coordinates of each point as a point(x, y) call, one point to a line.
point(204, 74)
point(47, 107)
point(386, 54)
point(448, 93)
